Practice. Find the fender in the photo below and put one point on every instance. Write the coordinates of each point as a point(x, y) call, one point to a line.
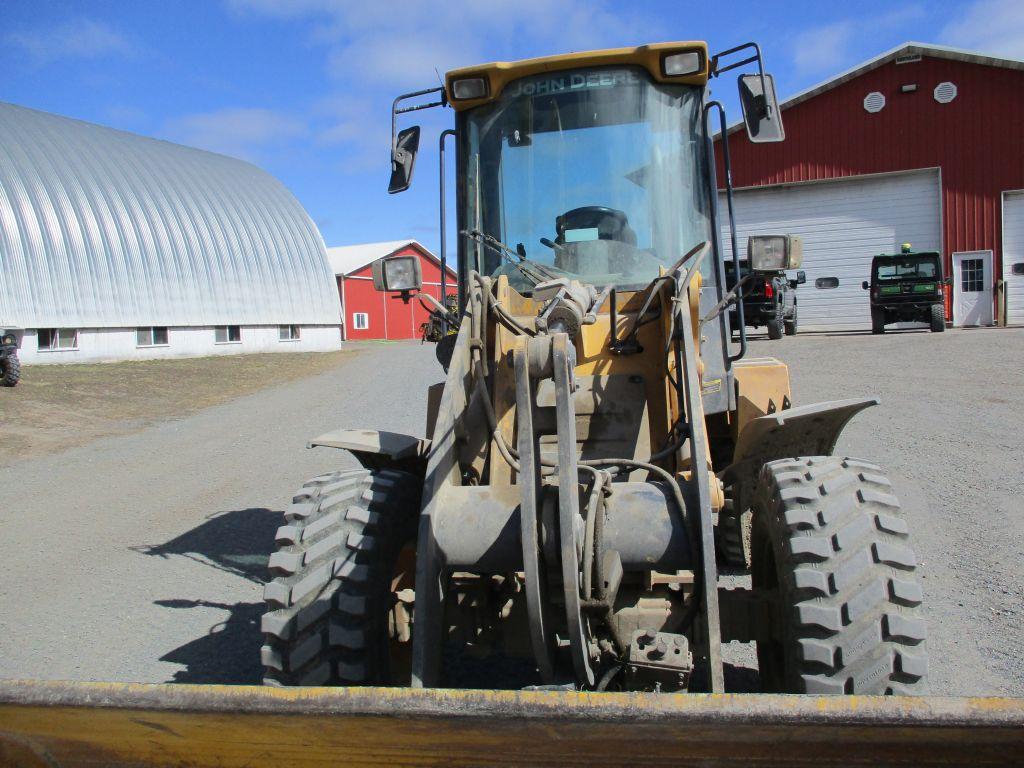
point(810, 430)
point(379, 449)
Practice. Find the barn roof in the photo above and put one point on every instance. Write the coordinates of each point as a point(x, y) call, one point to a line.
point(904, 49)
point(346, 259)
point(102, 228)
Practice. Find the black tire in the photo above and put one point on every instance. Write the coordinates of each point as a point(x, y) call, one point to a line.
point(733, 535)
point(938, 318)
point(328, 606)
point(829, 540)
point(10, 370)
point(791, 323)
point(775, 325)
point(877, 320)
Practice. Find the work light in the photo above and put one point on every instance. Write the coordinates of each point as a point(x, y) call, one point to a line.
point(768, 253)
point(397, 273)
point(469, 88)
point(679, 64)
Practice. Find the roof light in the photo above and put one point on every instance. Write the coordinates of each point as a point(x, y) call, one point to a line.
point(469, 88)
point(679, 64)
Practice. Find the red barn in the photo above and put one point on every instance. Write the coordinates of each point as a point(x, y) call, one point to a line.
point(922, 144)
point(370, 314)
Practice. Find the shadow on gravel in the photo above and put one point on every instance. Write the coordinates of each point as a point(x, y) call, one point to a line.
point(229, 652)
point(239, 542)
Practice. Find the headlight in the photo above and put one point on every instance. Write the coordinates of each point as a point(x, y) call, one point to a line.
point(469, 88)
point(9, 339)
point(680, 64)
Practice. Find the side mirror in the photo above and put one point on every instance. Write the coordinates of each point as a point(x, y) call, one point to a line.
point(865, 285)
point(403, 159)
point(761, 109)
point(397, 274)
point(801, 277)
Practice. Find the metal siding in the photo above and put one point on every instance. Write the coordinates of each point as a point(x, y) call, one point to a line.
point(975, 140)
point(101, 228)
point(1013, 253)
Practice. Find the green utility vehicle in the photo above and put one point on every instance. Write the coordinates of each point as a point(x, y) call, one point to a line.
point(906, 287)
point(10, 365)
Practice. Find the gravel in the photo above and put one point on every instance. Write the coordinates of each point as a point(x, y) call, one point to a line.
point(141, 557)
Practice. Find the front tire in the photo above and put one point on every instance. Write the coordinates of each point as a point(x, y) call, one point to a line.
point(938, 318)
point(830, 551)
point(332, 599)
point(775, 325)
point(10, 371)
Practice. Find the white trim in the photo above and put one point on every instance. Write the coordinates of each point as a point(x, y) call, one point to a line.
point(834, 179)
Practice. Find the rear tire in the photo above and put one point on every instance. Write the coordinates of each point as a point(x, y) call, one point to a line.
point(329, 605)
point(791, 324)
point(10, 371)
point(938, 318)
point(831, 547)
point(775, 325)
point(733, 535)
point(877, 320)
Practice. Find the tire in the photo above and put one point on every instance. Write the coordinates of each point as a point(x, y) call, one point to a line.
point(831, 547)
point(775, 325)
point(329, 605)
point(877, 320)
point(10, 371)
point(791, 324)
point(733, 535)
point(938, 318)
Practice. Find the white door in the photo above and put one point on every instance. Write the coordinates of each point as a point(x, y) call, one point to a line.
point(1013, 256)
point(843, 223)
point(972, 288)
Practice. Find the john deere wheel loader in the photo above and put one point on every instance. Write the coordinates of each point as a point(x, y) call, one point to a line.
point(598, 451)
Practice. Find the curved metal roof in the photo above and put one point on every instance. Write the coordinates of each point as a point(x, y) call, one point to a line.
point(102, 228)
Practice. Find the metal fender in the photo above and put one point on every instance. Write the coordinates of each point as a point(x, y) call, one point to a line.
point(379, 449)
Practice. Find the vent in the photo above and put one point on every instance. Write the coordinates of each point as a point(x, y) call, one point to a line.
point(908, 58)
point(874, 102)
point(1018, 268)
point(826, 282)
point(945, 92)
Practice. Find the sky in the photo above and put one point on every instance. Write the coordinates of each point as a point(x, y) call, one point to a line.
point(302, 88)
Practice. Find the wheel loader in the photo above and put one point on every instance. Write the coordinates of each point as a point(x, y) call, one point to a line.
point(613, 507)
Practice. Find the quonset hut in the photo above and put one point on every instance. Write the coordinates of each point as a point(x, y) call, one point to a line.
point(116, 246)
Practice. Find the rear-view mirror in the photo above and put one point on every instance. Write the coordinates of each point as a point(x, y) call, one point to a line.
point(865, 285)
point(761, 109)
point(801, 277)
point(403, 159)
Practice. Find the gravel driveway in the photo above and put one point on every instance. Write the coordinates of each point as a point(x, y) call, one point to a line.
point(141, 557)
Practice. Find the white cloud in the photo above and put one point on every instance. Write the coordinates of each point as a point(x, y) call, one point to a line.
point(988, 26)
point(74, 39)
point(240, 132)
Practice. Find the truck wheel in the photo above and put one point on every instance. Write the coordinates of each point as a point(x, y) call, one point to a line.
point(10, 370)
point(336, 570)
point(877, 320)
point(938, 318)
point(791, 324)
point(775, 325)
point(830, 552)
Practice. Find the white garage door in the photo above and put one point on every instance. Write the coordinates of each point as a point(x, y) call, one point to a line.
point(1013, 256)
point(843, 224)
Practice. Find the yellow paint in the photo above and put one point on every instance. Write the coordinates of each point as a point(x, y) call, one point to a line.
point(501, 73)
point(758, 381)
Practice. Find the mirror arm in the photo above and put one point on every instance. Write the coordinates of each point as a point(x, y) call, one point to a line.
point(396, 111)
point(716, 70)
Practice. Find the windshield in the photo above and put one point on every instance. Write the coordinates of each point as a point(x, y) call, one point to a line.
point(908, 268)
point(593, 174)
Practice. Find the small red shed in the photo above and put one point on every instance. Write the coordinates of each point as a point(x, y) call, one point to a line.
point(922, 144)
point(371, 314)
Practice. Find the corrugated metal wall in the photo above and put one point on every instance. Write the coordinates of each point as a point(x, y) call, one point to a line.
point(977, 140)
point(101, 228)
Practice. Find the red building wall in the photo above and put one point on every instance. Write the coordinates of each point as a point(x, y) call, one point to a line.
point(389, 316)
point(976, 140)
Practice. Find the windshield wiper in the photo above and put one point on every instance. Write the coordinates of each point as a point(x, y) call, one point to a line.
point(538, 273)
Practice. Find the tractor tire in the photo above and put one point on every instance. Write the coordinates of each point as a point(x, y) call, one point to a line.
point(877, 320)
point(830, 550)
point(791, 323)
point(732, 535)
point(775, 325)
point(331, 599)
point(10, 371)
point(938, 318)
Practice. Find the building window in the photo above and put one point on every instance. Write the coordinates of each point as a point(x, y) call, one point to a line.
point(288, 332)
point(227, 334)
point(55, 339)
point(972, 275)
point(360, 321)
point(151, 337)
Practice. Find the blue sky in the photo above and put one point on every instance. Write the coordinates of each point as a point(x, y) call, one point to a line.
point(302, 88)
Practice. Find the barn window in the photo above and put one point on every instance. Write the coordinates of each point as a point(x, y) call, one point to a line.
point(826, 282)
point(151, 337)
point(228, 334)
point(945, 92)
point(288, 333)
point(54, 339)
point(874, 102)
point(360, 321)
